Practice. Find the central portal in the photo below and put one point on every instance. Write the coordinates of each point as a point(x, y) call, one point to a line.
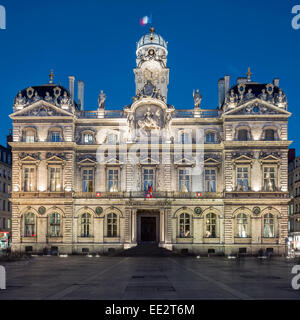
point(148, 229)
point(147, 226)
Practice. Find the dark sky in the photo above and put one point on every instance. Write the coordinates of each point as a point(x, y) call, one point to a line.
point(96, 41)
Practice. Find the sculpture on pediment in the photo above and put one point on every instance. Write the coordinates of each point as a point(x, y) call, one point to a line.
point(66, 102)
point(48, 98)
point(20, 101)
point(36, 97)
point(101, 100)
point(249, 95)
point(281, 99)
point(263, 95)
point(197, 98)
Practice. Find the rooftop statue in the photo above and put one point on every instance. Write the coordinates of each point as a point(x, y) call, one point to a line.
point(197, 98)
point(101, 100)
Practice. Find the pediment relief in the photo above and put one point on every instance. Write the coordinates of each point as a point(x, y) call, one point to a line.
point(184, 162)
point(41, 109)
point(270, 159)
point(257, 107)
point(211, 161)
point(148, 160)
point(243, 159)
point(87, 162)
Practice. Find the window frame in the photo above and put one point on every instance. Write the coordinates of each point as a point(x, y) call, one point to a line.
point(55, 166)
point(213, 234)
point(118, 180)
point(205, 180)
point(86, 226)
point(269, 216)
point(112, 225)
point(25, 224)
point(34, 178)
point(184, 227)
point(57, 224)
point(242, 166)
point(189, 170)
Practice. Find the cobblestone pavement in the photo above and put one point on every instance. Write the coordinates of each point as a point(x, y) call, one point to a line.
point(170, 277)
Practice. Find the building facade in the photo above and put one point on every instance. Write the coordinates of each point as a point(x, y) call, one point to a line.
point(5, 192)
point(194, 179)
point(294, 209)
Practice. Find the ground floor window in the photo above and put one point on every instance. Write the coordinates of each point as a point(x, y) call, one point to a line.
point(112, 225)
point(54, 221)
point(269, 226)
point(86, 225)
point(185, 225)
point(29, 226)
point(211, 225)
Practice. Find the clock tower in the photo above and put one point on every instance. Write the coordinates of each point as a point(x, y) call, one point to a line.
point(152, 63)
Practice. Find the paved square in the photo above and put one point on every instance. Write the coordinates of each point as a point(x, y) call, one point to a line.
point(81, 277)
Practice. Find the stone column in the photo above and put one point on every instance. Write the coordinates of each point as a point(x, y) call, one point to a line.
point(162, 226)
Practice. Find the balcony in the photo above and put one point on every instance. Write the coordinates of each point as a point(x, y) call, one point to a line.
point(155, 194)
point(257, 195)
point(41, 195)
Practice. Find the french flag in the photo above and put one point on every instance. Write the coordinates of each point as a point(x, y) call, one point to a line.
point(145, 20)
point(149, 192)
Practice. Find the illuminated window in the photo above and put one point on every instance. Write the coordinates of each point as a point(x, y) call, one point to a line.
point(29, 136)
point(86, 225)
point(269, 226)
point(55, 136)
point(210, 137)
point(29, 230)
point(148, 179)
point(54, 225)
point(112, 138)
point(29, 179)
point(113, 180)
point(112, 225)
point(88, 138)
point(88, 180)
point(242, 179)
point(184, 180)
point(211, 225)
point(269, 179)
point(210, 180)
point(269, 135)
point(185, 225)
point(242, 225)
point(55, 179)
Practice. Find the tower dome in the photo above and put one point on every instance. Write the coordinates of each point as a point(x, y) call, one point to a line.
point(151, 38)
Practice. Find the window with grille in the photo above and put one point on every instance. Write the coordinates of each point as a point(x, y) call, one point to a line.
point(55, 136)
point(88, 138)
point(210, 137)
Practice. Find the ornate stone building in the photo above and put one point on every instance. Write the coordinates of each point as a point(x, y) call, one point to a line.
point(200, 180)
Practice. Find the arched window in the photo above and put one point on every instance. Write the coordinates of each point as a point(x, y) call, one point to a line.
point(112, 138)
point(242, 225)
point(29, 135)
point(185, 225)
point(269, 226)
point(211, 225)
point(269, 135)
point(86, 225)
point(243, 135)
point(210, 137)
point(29, 225)
point(112, 225)
point(88, 138)
point(55, 135)
point(54, 225)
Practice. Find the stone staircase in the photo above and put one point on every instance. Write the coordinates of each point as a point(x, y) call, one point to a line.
point(147, 250)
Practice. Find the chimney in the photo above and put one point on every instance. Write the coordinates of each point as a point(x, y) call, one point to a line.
point(81, 94)
point(291, 155)
point(71, 86)
point(276, 82)
point(9, 138)
point(241, 80)
point(227, 84)
point(221, 85)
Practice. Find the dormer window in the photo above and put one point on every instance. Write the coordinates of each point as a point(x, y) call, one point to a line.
point(243, 135)
point(29, 137)
point(210, 137)
point(55, 136)
point(269, 135)
point(88, 138)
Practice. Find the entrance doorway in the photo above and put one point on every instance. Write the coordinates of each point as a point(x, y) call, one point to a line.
point(148, 229)
point(148, 226)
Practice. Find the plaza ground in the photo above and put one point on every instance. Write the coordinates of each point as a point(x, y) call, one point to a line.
point(154, 277)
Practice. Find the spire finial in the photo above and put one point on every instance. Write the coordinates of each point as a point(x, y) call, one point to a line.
point(152, 29)
point(249, 73)
point(51, 76)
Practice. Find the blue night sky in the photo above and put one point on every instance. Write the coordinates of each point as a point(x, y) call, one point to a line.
point(96, 41)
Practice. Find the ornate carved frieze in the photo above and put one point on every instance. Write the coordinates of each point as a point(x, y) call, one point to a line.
point(264, 154)
point(54, 154)
point(235, 155)
point(215, 156)
point(24, 155)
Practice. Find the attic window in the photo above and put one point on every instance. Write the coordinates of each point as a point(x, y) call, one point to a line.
point(243, 135)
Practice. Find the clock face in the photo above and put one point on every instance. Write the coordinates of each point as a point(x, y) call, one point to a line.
point(151, 74)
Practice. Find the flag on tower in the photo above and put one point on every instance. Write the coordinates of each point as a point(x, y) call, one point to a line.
point(145, 20)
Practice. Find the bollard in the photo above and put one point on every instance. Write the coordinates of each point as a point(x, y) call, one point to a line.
point(2, 278)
